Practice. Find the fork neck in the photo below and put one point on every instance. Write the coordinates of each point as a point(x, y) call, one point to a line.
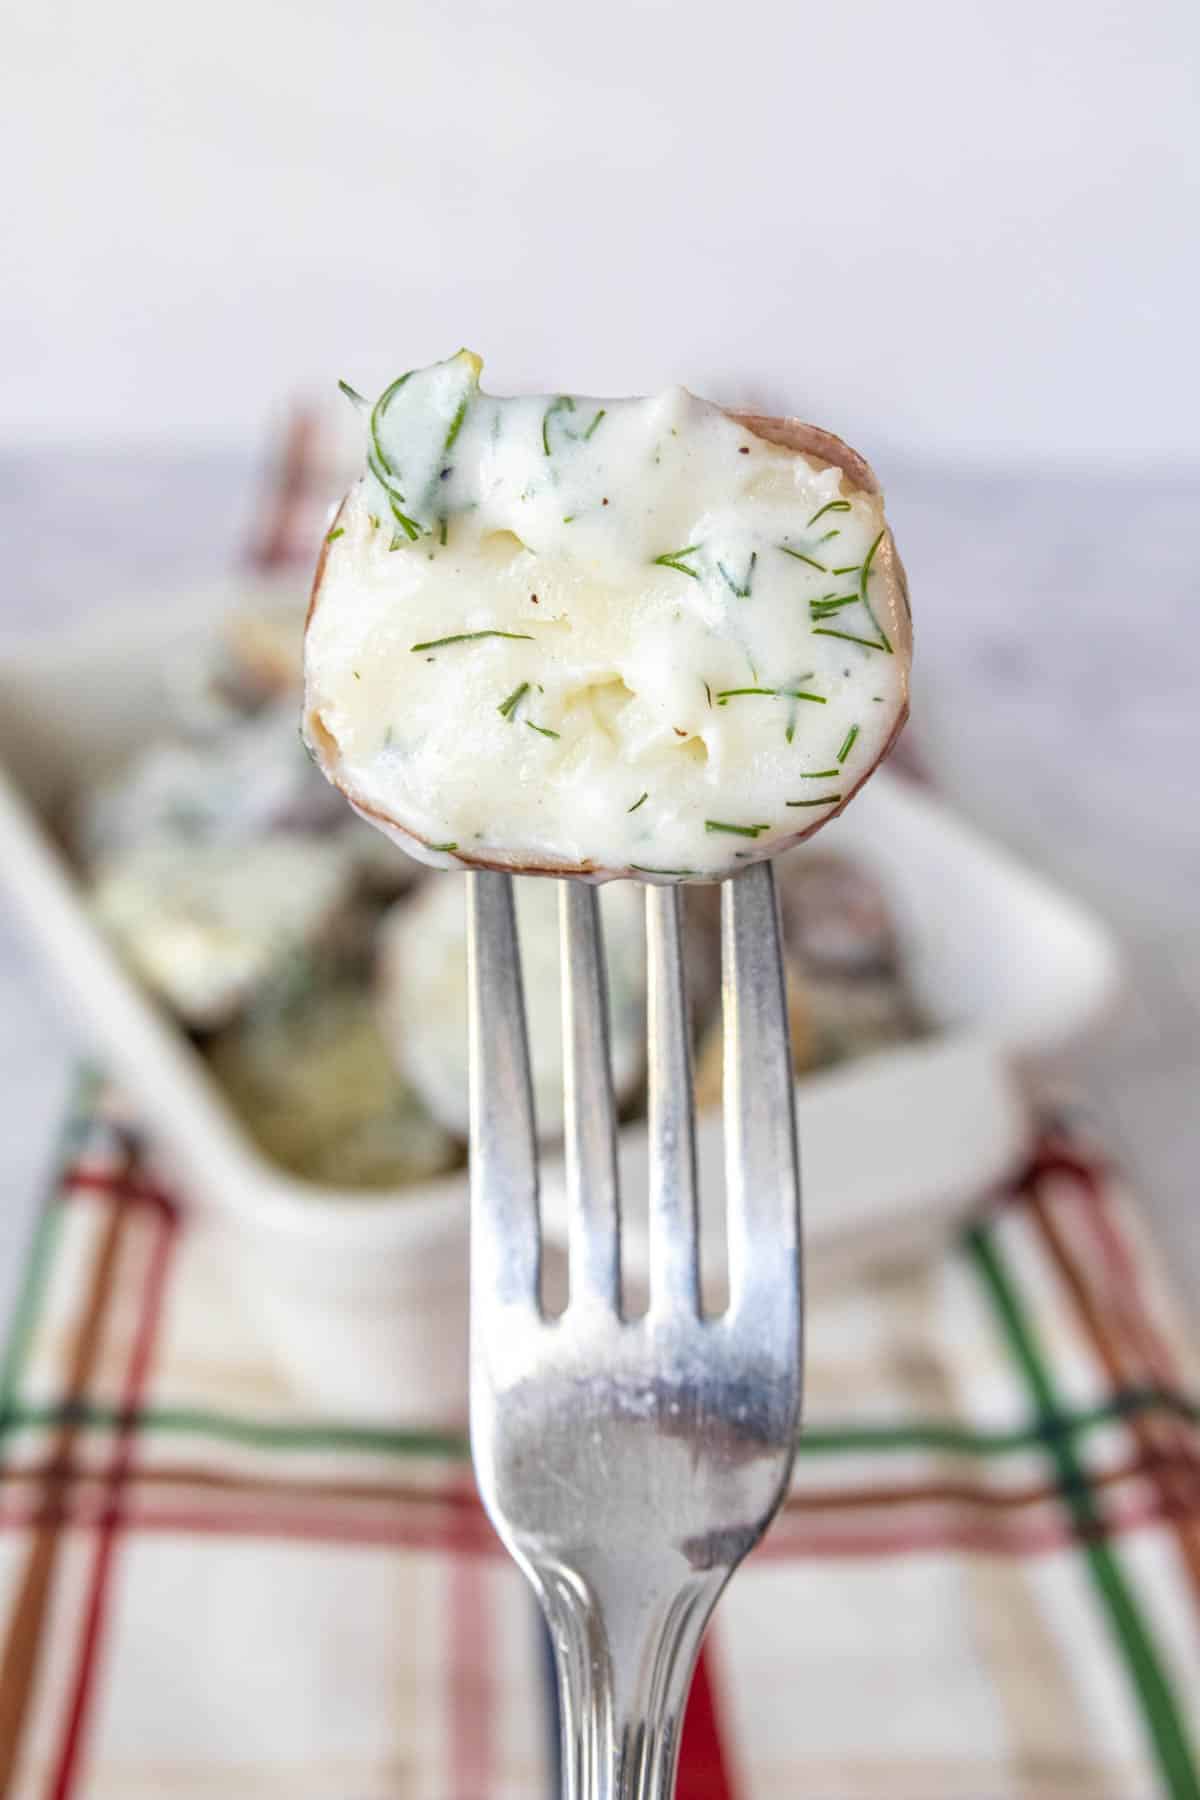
point(625, 1658)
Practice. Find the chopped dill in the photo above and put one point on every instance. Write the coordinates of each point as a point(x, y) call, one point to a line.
point(373, 521)
point(825, 800)
point(847, 744)
point(409, 527)
point(848, 637)
point(740, 593)
point(727, 694)
point(564, 403)
point(830, 506)
point(456, 421)
point(507, 708)
point(587, 434)
point(542, 730)
point(820, 774)
point(884, 643)
point(800, 557)
point(469, 637)
point(377, 414)
point(847, 569)
point(644, 869)
point(708, 692)
point(353, 394)
point(444, 531)
point(332, 536)
point(444, 848)
point(673, 559)
point(750, 831)
point(637, 803)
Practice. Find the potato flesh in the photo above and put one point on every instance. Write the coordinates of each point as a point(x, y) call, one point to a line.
point(631, 745)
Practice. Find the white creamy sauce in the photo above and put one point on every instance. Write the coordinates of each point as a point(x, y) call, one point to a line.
point(605, 636)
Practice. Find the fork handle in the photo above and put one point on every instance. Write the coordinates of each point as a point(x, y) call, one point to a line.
point(625, 1663)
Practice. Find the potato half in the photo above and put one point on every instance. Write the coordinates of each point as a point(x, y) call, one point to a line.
point(602, 638)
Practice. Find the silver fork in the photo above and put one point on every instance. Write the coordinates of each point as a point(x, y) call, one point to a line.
point(629, 1464)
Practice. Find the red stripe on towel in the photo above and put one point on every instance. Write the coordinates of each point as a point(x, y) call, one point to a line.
point(705, 1769)
point(66, 1768)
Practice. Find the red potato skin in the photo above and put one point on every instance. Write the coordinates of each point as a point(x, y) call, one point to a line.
point(789, 434)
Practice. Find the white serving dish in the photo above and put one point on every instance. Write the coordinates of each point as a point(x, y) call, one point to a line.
point(364, 1297)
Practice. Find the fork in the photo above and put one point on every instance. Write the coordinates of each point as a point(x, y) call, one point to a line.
point(629, 1463)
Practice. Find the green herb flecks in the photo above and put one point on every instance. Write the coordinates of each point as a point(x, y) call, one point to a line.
point(830, 506)
point(847, 569)
point(507, 708)
point(378, 413)
point(457, 420)
point(409, 527)
point(443, 530)
point(708, 692)
point(820, 774)
point(353, 395)
point(639, 802)
point(801, 557)
point(825, 800)
point(446, 849)
point(469, 637)
point(742, 592)
point(831, 603)
point(331, 537)
point(793, 711)
point(750, 831)
point(373, 521)
point(862, 588)
point(542, 730)
point(673, 559)
point(381, 475)
point(600, 415)
point(564, 403)
point(780, 693)
point(645, 869)
point(848, 637)
point(847, 744)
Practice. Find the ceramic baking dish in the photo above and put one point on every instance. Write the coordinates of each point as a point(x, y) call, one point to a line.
point(364, 1295)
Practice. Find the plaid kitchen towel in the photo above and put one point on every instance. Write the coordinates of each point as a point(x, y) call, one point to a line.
point(985, 1583)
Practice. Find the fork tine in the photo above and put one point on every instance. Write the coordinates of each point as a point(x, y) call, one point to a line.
point(591, 1126)
point(762, 1181)
point(505, 1231)
point(674, 1255)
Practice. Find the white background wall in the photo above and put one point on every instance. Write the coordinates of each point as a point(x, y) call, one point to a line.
point(966, 226)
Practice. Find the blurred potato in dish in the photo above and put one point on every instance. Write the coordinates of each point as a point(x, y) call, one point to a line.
point(209, 926)
point(312, 1080)
point(422, 988)
point(254, 777)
